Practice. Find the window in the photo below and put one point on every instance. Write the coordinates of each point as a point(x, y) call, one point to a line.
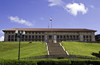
point(32, 32)
point(42, 32)
point(8, 39)
point(67, 37)
point(9, 32)
point(77, 32)
point(86, 36)
point(39, 32)
point(60, 36)
point(29, 36)
point(26, 32)
point(73, 37)
point(70, 37)
point(42, 36)
point(83, 36)
point(9, 36)
point(89, 36)
point(76, 37)
point(64, 37)
point(12, 36)
point(36, 37)
point(29, 32)
point(57, 37)
point(81, 32)
point(12, 32)
point(32, 36)
point(25, 36)
point(86, 32)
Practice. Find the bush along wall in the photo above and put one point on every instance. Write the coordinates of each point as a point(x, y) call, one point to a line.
point(50, 62)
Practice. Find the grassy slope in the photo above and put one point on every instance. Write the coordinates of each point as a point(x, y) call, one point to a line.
point(81, 48)
point(9, 50)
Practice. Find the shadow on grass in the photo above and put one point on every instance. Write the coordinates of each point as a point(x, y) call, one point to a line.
point(96, 54)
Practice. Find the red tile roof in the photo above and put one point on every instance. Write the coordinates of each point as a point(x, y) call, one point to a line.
point(48, 29)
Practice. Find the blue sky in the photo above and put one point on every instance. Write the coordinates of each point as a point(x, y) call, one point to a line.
point(36, 14)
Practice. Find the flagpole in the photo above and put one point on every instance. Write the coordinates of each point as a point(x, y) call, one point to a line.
point(51, 30)
point(51, 27)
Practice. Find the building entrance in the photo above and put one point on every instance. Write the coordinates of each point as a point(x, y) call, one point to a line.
point(50, 37)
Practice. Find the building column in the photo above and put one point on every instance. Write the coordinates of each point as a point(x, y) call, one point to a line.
point(55, 37)
point(17, 39)
point(45, 38)
point(5, 37)
point(14, 38)
point(92, 37)
point(80, 37)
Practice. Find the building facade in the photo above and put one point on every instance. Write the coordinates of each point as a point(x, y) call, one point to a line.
point(42, 34)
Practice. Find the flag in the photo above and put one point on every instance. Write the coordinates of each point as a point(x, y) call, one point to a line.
point(50, 19)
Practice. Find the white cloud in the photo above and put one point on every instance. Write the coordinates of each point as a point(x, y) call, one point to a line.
point(2, 38)
point(42, 18)
point(55, 2)
point(92, 6)
point(74, 8)
point(1, 32)
point(20, 21)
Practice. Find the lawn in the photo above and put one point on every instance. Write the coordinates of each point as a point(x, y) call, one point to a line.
point(81, 48)
point(9, 50)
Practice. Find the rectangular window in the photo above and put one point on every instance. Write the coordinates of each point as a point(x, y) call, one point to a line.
point(39, 32)
point(26, 32)
point(77, 32)
point(42, 32)
point(12, 36)
point(36, 37)
point(70, 37)
point(64, 37)
point(60, 36)
point(29, 32)
point(42, 36)
point(32, 36)
point(73, 37)
point(32, 32)
point(67, 37)
point(25, 36)
point(9, 36)
point(9, 32)
point(86, 36)
point(83, 36)
point(89, 36)
point(57, 37)
point(77, 37)
point(12, 32)
point(86, 32)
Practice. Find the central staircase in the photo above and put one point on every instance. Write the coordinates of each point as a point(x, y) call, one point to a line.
point(55, 49)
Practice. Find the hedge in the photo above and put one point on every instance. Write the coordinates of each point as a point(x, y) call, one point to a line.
point(50, 62)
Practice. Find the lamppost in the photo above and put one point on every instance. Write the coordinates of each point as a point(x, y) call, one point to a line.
point(19, 34)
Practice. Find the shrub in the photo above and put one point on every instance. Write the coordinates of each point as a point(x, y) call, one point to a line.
point(17, 62)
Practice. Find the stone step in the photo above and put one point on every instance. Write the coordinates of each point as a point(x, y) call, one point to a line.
point(55, 49)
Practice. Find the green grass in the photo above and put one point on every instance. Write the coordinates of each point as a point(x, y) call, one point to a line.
point(9, 50)
point(81, 48)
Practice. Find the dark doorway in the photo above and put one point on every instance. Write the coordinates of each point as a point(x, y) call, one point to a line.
point(50, 37)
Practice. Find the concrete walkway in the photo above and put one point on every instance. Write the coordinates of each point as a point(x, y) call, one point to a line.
point(55, 49)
